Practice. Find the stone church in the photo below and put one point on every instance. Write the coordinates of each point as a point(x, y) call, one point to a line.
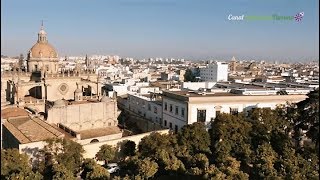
point(42, 80)
point(57, 103)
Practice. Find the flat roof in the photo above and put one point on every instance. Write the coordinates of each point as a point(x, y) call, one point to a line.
point(196, 94)
point(198, 97)
point(98, 132)
point(27, 129)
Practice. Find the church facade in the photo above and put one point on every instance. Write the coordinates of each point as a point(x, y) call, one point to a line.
point(57, 103)
point(42, 81)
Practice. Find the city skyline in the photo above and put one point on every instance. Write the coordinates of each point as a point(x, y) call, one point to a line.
point(143, 29)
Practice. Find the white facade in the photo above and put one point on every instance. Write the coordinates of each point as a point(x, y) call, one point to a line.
point(180, 109)
point(146, 90)
point(146, 107)
point(215, 72)
point(175, 113)
point(198, 85)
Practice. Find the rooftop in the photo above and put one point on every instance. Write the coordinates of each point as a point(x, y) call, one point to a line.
point(28, 130)
point(13, 112)
point(91, 133)
point(199, 94)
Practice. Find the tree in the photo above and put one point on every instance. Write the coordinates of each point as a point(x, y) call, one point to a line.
point(29, 176)
point(309, 116)
point(98, 173)
point(232, 169)
point(60, 172)
point(65, 152)
point(147, 168)
point(87, 166)
point(195, 138)
point(200, 160)
point(106, 153)
point(150, 145)
point(129, 148)
point(288, 164)
point(230, 137)
point(212, 172)
point(188, 76)
point(14, 164)
point(169, 162)
point(128, 166)
point(264, 160)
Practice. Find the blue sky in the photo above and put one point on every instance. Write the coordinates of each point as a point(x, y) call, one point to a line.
point(190, 29)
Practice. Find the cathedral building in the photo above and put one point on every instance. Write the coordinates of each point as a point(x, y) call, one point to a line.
point(44, 102)
point(43, 81)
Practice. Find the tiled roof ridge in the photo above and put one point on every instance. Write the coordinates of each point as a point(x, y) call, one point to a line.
point(43, 124)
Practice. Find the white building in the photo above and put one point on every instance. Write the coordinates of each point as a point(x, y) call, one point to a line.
point(215, 72)
point(146, 105)
point(197, 85)
point(186, 107)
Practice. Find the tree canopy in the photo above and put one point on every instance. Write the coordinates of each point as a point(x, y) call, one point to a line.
point(258, 144)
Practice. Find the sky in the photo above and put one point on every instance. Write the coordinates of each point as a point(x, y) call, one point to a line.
point(190, 29)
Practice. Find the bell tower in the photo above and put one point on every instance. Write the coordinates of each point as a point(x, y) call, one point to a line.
point(42, 35)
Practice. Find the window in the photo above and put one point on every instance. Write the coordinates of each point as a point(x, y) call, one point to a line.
point(201, 115)
point(177, 110)
point(176, 129)
point(165, 106)
point(36, 67)
point(94, 140)
point(170, 125)
point(47, 67)
point(182, 112)
point(234, 111)
point(165, 122)
point(170, 107)
point(109, 124)
point(149, 107)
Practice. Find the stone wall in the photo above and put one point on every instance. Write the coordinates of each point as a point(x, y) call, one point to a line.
point(85, 116)
point(92, 149)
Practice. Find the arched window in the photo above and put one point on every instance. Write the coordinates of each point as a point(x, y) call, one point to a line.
point(94, 141)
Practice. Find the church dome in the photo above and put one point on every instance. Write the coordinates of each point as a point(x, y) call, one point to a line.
point(43, 50)
point(59, 103)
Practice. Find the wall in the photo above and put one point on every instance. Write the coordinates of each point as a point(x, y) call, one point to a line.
point(146, 90)
point(85, 116)
point(197, 85)
point(172, 117)
point(8, 140)
point(101, 138)
point(140, 105)
point(211, 109)
point(92, 149)
point(32, 149)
